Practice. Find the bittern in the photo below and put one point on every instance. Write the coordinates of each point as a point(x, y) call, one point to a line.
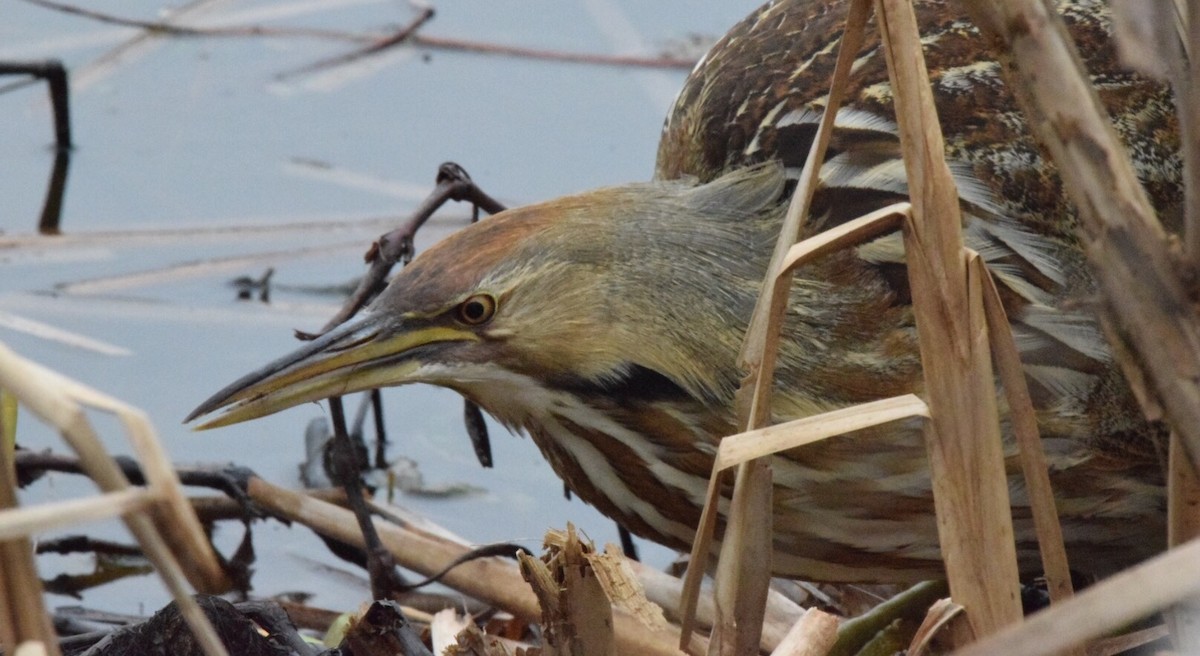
point(607, 324)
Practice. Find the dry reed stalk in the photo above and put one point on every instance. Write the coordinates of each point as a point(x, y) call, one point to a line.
point(665, 591)
point(1154, 38)
point(744, 447)
point(963, 437)
point(492, 580)
point(1029, 440)
point(1184, 496)
point(60, 402)
point(1146, 304)
point(8, 439)
point(18, 523)
point(1187, 99)
point(743, 574)
point(661, 589)
point(1114, 602)
point(34, 649)
point(814, 634)
point(1120, 644)
point(172, 514)
point(1183, 525)
point(737, 569)
point(1144, 301)
point(24, 615)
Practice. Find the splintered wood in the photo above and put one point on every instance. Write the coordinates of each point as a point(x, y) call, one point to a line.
point(577, 617)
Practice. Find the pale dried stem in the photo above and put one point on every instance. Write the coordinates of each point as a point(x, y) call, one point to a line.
point(1144, 300)
point(758, 356)
point(1183, 525)
point(1023, 420)
point(25, 616)
point(8, 633)
point(963, 439)
point(36, 648)
point(813, 635)
point(48, 395)
point(1146, 304)
point(1183, 494)
point(173, 514)
point(1187, 97)
point(743, 574)
point(744, 447)
point(1120, 644)
point(766, 324)
point(849, 234)
point(1114, 602)
point(665, 591)
point(25, 522)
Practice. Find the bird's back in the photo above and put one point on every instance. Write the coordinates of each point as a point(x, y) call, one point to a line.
point(758, 96)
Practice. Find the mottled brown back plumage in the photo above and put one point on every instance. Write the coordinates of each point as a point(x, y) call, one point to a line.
point(759, 96)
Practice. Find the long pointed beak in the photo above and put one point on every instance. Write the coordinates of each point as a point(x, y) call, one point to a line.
point(360, 355)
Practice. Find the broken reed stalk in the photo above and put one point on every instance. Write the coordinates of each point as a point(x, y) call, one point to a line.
point(60, 402)
point(576, 611)
point(1023, 420)
point(963, 436)
point(744, 575)
point(492, 580)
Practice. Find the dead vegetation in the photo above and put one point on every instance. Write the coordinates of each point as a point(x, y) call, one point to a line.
point(597, 603)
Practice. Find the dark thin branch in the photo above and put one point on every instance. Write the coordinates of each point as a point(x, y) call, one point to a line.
point(171, 29)
point(231, 479)
point(51, 219)
point(484, 48)
point(55, 75)
point(381, 440)
point(453, 183)
point(381, 567)
point(419, 40)
point(499, 549)
point(374, 48)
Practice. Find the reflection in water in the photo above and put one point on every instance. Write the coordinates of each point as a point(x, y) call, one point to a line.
point(52, 208)
point(55, 75)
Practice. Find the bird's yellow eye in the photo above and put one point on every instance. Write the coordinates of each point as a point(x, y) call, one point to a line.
point(477, 309)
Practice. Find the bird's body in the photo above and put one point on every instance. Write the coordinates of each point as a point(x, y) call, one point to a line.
point(607, 324)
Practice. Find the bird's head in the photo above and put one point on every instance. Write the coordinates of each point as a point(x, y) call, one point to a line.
point(578, 291)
